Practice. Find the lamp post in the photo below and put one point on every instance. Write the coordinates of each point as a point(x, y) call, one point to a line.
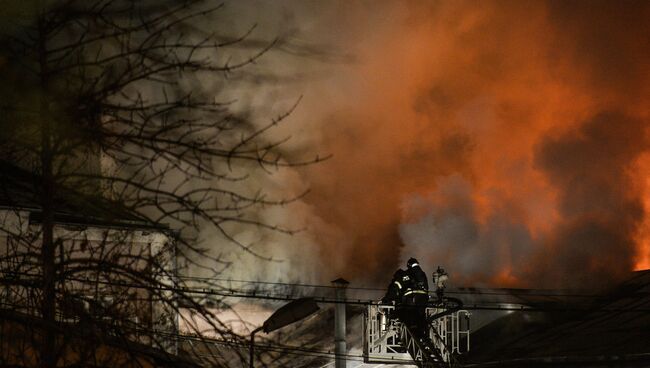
point(286, 315)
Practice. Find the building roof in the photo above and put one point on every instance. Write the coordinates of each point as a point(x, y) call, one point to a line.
point(102, 349)
point(611, 329)
point(20, 189)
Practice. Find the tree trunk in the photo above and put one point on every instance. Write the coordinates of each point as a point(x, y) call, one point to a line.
point(48, 303)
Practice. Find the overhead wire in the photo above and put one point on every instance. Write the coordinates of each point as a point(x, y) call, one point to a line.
point(278, 348)
point(460, 290)
point(310, 352)
point(313, 352)
point(267, 295)
point(364, 302)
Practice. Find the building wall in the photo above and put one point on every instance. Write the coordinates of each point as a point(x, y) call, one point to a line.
point(103, 269)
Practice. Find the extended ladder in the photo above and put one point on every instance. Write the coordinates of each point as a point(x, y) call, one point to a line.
point(387, 340)
point(424, 352)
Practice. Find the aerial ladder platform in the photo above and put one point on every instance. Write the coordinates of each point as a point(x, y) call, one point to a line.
point(445, 336)
point(389, 340)
point(422, 350)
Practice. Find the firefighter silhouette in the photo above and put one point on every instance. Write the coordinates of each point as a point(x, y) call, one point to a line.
point(408, 290)
point(415, 299)
point(395, 293)
point(395, 290)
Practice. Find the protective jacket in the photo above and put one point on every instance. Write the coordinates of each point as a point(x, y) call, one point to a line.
point(396, 288)
point(418, 283)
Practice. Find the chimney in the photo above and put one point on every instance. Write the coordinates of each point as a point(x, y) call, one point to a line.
point(340, 346)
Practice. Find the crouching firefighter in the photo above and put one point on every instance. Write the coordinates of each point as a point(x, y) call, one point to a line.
point(395, 293)
point(395, 289)
point(415, 299)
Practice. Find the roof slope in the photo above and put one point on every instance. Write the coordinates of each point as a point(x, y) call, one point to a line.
point(613, 328)
point(86, 345)
point(20, 189)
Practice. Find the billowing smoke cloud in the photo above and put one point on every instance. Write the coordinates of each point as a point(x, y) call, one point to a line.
point(476, 136)
point(503, 140)
point(601, 208)
point(445, 229)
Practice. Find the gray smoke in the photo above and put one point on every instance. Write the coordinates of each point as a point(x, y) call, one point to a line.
point(442, 228)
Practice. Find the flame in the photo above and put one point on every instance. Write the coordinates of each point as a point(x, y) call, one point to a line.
point(505, 278)
point(642, 256)
point(503, 140)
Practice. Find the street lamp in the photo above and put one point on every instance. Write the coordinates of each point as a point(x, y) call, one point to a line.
point(286, 315)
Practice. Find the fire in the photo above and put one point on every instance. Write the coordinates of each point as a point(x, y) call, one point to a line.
point(506, 279)
point(501, 140)
point(642, 257)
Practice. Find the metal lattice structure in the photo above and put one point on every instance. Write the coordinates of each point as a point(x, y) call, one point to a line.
point(387, 340)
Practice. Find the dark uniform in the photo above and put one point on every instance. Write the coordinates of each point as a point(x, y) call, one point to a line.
point(416, 297)
point(395, 288)
point(395, 293)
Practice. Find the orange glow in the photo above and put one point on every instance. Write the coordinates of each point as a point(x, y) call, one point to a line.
point(642, 256)
point(506, 279)
point(511, 102)
point(642, 262)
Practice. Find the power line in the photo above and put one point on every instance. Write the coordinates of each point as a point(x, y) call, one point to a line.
point(303, 351)
point(280, 297)
point(457, 291)
point(295, 350)
point(460, 291)
point(310, 352)
point(265, 295)
point(278, 348)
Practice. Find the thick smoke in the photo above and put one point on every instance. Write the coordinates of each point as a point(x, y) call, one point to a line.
point(475, 136)
point(503, 140)
point(600, 206)
point(260, 93)
point(445, 229)
point(600, 212)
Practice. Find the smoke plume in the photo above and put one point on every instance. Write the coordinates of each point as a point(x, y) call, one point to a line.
point(504, 140)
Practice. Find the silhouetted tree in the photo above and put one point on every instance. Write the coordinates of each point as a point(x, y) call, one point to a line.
point(108, 123)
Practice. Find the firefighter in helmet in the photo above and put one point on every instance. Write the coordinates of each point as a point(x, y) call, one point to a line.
point(395, 289)
point(395, 293)
point(416, 297)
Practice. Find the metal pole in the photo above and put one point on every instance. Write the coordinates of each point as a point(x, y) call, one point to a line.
point(175, 306)
point(340, 346)
point(252, 347)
